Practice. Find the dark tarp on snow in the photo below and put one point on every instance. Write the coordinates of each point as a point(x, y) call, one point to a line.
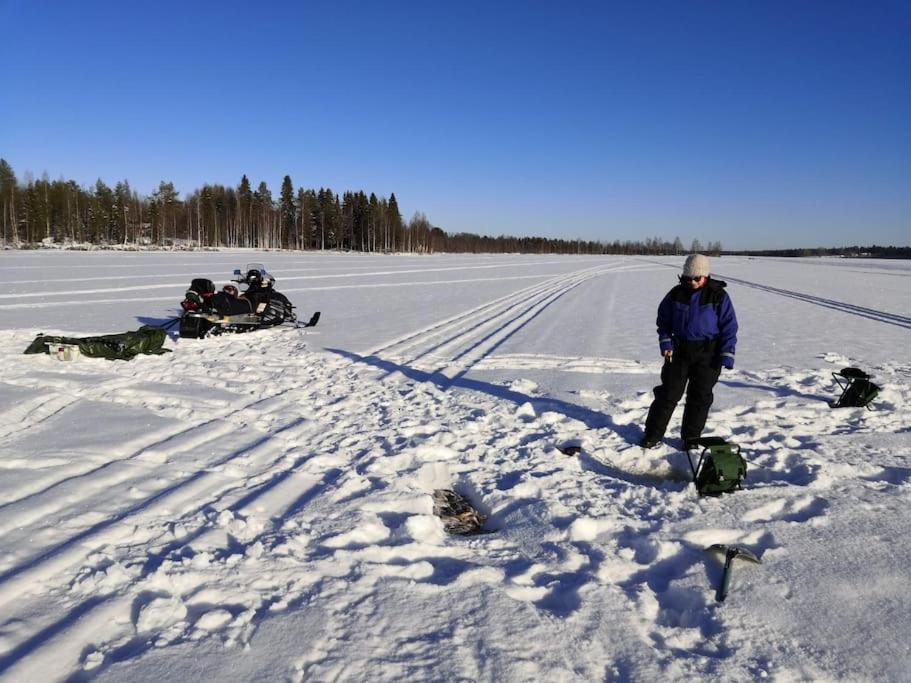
point(147, 339)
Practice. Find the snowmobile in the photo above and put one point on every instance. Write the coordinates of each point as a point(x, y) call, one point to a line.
point(208, 312)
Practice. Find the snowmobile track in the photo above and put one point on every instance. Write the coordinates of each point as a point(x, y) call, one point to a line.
point(452, 346)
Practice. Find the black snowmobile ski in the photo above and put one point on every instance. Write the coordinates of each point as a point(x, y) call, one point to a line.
point(312, 322)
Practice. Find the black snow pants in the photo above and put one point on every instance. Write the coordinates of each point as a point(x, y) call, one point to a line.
point(695, 366)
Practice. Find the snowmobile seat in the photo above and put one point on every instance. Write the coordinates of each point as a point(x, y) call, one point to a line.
point(225, 304)
point(857, 391)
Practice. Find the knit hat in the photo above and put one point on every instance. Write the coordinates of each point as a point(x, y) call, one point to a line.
point(696, 265)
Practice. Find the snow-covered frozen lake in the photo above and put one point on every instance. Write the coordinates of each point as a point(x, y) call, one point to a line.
point(257, 507)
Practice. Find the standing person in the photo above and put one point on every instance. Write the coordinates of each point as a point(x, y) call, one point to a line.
point(697, 334)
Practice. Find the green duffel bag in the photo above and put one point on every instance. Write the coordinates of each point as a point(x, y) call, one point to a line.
point(147, 339)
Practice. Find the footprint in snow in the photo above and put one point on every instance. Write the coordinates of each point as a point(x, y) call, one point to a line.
point(895, 476)
point(801, 509)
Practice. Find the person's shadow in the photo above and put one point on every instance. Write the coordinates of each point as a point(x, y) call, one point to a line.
point(780, 391)
point(591, 418)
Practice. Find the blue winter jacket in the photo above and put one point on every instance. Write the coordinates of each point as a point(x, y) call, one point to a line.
point(705, 313)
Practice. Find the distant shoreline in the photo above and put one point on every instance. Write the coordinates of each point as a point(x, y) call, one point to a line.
point(873, 252)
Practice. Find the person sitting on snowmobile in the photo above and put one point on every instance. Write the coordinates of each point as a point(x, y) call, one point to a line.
point(697, 334)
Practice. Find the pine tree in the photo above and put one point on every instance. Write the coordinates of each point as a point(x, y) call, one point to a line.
point(394, 218)
point(304, 211)
point(206, 218)
point(262, 202)
point(288, 213)
point(8, 187)
point(329, 213)
point(245, 212)
point(168, 202)
point(373, 221)
point(121, 211)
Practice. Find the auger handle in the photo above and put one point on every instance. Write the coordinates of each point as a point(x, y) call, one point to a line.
point(722, 591)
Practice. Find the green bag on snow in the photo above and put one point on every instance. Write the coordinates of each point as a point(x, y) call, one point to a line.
point(147, 339)
point(721, 468)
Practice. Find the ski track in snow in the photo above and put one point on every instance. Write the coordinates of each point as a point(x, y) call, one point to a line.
point(259, 476)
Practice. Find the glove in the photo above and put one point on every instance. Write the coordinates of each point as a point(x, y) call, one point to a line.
point(727, 362)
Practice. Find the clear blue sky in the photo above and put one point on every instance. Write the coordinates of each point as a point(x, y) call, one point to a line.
point(763, 124)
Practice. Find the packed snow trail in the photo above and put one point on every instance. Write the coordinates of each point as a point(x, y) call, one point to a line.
point(256, 506)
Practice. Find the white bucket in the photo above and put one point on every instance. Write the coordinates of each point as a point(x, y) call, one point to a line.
point(64, 351)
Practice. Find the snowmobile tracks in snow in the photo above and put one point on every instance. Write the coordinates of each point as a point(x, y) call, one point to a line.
point(844, 307)
point(874, 314)
point(449, 348)
point(219, 468)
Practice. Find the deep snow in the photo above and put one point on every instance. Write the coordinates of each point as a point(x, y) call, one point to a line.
point(258, 506)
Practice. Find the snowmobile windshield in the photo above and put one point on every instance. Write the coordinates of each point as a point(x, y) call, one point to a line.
point(254, 269)
point(253, 273)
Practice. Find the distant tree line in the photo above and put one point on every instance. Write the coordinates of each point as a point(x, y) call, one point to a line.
point(59, 211)
point(471, 243)
point(874, 251)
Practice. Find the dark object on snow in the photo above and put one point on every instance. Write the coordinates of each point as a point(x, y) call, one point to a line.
point(147, 339)
point(206, 311)
point(731, 553)
point(458, 516)
point(857, 391)
point(570, 449)
point(720, 469)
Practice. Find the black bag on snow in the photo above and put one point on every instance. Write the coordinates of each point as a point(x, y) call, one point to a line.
point(147, 339)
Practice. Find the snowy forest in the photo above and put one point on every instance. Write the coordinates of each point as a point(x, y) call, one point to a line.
point(36, 211)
